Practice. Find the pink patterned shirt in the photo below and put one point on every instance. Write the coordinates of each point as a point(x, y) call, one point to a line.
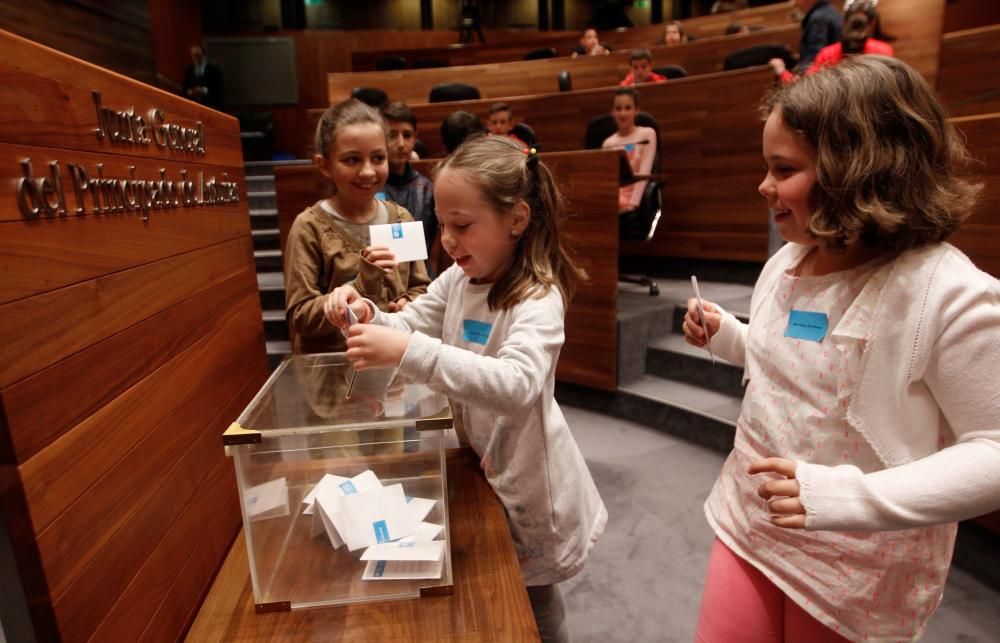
point(864, 585)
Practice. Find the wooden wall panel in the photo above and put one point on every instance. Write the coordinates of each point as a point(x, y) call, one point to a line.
point(969, 82)
point(113, 34)
point(131, 346)
point(980, 236)
point(524, 78)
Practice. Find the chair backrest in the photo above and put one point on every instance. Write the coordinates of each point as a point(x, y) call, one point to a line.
point(420, 149)
point(540, 53)
point(371, 96)
point(445, 92)
point(565, 81)
point(390, 63)
point(525, 133)
point(671, 71)
point(639, 223)
point(758, 55)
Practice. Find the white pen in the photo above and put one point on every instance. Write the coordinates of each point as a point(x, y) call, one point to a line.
point(351, 320)
point(701, 313)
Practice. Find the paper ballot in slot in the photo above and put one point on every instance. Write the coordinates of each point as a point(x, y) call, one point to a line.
point(405, 240)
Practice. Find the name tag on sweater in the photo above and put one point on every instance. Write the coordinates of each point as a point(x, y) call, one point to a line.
point(476, 331)
point(807, 325)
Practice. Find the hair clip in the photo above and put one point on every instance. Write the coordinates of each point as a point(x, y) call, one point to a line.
point(532, 155)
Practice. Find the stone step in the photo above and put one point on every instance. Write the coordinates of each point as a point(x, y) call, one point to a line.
point(275, 327)
point(268, 260)
point(272, 290)
point(260, 183)
point(276, 351)
point(263, 218)
point(690, 412)
point(266, 239)
point(261, 199)
point(671, 357)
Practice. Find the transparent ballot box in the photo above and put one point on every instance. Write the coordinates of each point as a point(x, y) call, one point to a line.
point(343, 486)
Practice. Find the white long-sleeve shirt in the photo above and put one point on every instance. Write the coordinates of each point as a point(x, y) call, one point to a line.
point(498, 368)
point(929, 379)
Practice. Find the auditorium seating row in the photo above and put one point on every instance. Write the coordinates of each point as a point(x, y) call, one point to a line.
point(773, 15)
point(522, 78)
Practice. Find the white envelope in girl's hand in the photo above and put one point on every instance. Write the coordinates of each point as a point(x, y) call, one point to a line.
point(405, 240)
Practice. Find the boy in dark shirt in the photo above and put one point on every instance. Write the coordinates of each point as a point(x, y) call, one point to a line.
point(406, 186)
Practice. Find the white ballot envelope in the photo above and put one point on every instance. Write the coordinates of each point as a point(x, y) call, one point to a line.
point(419, 507)
point(403, 569)
point(405, 240)
point(268, 500)
point(373, 517)
point(406, 549)
point(329, 490)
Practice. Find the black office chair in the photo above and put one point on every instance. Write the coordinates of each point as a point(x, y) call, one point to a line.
point(639, 224)
point(539, 54)
point(758, 55)
point(371, 96)
point(671, 71)
point(446, 92)
point(390, 63)
point(565, 81)
point(525, 133)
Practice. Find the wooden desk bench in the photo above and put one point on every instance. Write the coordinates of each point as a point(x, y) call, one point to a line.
point(493, 51)
point(968, 82)
point(524, 78)
point(489, 600)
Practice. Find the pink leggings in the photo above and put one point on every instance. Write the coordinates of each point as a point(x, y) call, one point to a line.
point(740, 605)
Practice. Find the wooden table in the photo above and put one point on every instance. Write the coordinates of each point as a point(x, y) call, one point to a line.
point(489, 603)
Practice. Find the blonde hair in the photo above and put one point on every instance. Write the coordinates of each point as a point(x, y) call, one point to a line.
point(505, 174)
point(890, 168)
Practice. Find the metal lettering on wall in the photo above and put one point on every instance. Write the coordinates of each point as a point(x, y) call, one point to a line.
point(99, 194)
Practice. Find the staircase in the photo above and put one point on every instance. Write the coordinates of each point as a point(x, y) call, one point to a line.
point(663, 382)
point(267, 256)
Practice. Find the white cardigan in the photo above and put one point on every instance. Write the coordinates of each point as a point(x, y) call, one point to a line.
point(927, 399)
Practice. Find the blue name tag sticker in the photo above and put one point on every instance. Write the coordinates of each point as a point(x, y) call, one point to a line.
point(397, 231)
point(629, 147)
point(348, 488)
point(379, 569)
point(381, 531)
point(476, 331)
point(380, 196)
point(806, 325)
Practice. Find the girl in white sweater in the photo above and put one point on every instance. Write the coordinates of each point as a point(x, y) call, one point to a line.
point(487, 334)
point(870, 420)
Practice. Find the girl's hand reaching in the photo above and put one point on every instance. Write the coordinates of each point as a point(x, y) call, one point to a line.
point(398, 305)
point(382, 257)
point(786, 507)
point(336, 303)
point(693, 332)
point(370, 346)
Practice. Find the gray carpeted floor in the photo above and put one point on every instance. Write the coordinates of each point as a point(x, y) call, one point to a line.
point(644, 578)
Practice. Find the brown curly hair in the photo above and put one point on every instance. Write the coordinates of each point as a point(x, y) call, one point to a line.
point(891, 171)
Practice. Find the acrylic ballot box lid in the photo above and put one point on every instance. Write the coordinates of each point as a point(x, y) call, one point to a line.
point(343, 486)
point(309, 393)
